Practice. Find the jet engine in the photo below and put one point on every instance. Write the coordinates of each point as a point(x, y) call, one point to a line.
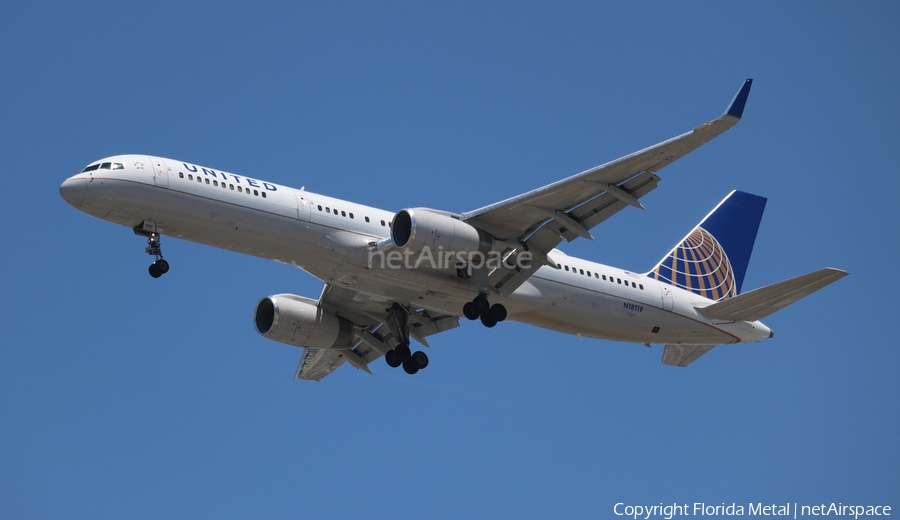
point(299, 322)
point(418, 228)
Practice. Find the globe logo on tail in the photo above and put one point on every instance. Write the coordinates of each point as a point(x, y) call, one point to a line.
point(699, 265)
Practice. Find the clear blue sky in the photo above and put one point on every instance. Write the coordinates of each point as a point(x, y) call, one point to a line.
point(127, 397)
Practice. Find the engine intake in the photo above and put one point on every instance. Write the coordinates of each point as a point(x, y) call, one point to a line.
point(418, 228)
point(299, 322)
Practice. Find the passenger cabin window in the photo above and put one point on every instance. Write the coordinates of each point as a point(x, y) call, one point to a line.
point(382, 222)
point(264, 194)
point(231, 187)
point(343, 213)
point(567, 268)
point(367, 219)
point(181, 175)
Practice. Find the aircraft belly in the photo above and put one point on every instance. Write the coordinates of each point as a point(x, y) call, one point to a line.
point(426, 289)
point(594, 314)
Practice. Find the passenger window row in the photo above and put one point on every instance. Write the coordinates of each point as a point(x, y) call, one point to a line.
point(216, 183)
point(598, 276)
point(336, 213)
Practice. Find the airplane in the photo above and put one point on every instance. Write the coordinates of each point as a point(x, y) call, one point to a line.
point(392, 277)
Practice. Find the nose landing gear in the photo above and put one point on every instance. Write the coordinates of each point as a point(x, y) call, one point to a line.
point(159, 267)
point(152, 231)
point(480, 308)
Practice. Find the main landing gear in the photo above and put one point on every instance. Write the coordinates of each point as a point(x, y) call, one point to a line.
point(401, 355)
point(398, 322)
point(480, 308)
point(159, 267)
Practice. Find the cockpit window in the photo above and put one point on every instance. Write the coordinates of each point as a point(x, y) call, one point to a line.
point(91, 168)
point(118, 166)
point(105, 166)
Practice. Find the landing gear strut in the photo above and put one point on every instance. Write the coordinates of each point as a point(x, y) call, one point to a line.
point(480, 308)
point(159, 267)
point(398, 322)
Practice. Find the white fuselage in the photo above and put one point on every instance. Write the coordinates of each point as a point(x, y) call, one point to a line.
point(332, 239)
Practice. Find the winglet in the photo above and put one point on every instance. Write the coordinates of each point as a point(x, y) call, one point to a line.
point(736, 108)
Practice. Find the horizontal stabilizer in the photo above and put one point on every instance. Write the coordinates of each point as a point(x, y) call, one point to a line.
point(759, 303)
point(683, 355)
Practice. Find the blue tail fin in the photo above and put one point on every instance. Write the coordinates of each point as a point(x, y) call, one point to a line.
point(712, 260)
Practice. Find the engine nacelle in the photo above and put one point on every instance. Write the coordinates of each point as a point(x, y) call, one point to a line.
point(298, 321)
point(417, 228)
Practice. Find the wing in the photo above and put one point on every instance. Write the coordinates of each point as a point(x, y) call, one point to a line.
point(539, 220)
point(369, 315)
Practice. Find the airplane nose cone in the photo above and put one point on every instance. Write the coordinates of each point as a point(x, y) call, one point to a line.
point(73, 190)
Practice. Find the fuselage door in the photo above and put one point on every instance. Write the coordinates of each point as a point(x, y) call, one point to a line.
point(302, 204)
point(160, 172)
point(667, 297)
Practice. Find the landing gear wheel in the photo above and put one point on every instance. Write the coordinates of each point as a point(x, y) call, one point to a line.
point(162, 266)
point(402, 352)
point(487, 320)
point(410, 367)
point(480, 305)
point(419, 359)
point(155, 271)
point(392, 360)
point(498, 312)
point(469, 311)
